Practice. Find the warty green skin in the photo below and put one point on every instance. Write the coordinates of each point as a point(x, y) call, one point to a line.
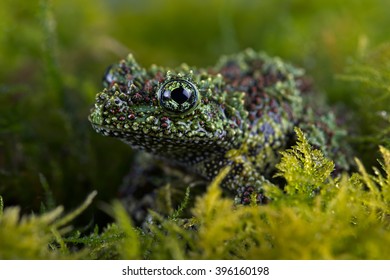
point(241, 113)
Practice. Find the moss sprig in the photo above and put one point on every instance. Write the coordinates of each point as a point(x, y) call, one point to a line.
point(305, 169)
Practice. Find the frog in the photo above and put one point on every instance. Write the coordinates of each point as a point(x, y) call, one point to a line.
point(240, 113)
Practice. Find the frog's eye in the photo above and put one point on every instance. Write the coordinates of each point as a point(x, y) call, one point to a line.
point(178, 96)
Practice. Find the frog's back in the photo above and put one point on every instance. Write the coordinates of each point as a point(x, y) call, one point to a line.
point(273, 100)
point(278, 98)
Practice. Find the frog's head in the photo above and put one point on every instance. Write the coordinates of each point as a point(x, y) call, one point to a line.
point(165, 111)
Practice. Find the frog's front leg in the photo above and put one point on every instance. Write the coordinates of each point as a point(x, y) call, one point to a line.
point(252, 165)
point(245, 183)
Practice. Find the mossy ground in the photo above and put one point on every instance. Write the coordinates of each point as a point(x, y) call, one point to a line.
point(53, 54)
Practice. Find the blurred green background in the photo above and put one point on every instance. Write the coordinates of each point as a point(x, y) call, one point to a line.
point(53, 55)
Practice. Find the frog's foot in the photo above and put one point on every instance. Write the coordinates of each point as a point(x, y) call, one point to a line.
point(250, 194)
point(245, 182)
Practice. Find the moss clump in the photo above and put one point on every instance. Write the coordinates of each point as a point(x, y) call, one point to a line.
point(314, 217)
point(36, 236)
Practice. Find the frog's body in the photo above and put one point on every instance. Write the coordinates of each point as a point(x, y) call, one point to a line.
point(240, 113)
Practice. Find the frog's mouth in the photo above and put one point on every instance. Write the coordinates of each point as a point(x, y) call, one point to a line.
point(154, 124)
point(197, 136)
point(179, 149)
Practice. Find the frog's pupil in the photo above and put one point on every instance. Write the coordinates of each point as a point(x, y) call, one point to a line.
point(180, 95)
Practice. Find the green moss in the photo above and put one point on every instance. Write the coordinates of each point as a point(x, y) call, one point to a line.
point(369, 78)
point(36, 236)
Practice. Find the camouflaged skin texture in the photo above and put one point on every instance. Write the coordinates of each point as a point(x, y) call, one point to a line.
point(240, 113)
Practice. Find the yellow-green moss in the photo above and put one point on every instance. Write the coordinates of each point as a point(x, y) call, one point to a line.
point(36, 236)
point(316, 217)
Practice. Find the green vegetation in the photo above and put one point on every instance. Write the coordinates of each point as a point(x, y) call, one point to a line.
point(317, 217)
point(53, 55)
